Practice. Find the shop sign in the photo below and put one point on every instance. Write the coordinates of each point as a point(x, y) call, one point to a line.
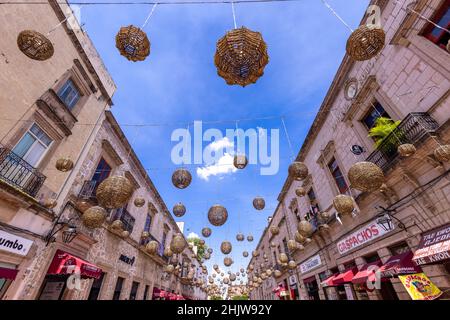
point(14, 244)
point(420, 287)
point(310, 264)
point(434, 246)
point(126, 259)
point(362, 236)
point(292, 280)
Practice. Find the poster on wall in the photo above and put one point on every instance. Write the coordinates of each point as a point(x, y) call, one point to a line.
point(420, 287)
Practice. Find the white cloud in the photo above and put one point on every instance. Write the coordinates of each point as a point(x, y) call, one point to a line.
point(221, 144)
point(193, 235)
point(223, 166)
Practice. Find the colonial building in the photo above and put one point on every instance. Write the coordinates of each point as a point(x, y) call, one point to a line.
point(407, 82)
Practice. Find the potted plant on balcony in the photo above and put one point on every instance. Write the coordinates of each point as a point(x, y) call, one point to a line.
point(381, 131)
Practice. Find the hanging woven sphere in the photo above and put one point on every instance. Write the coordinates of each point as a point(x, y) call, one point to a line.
point(210, 250)
point(139, 202)
point(324, 216)
point(283, 257)
point(152, 247)
point(181, 178)
point(241, 56)
point(133, 43)
point(292, 245)
point(305, 228)
point(227, 261)
point(207, 256)
point(274, 230)
point(277, 273)
point(300, 192)
point(170, 268)
point(201, 242)
point(298, 171)
point(49, 203)
point(64, 164)
point(406, 149)
point(178, 244)
point(292, 265)
point(249, 238)
point(245, 254)
point(251, 267)
point(35, 45)
point(125, 234)
point(114, 192)
point(117, 225)
point(217, 215)
point(179, 210)
point(226, 247)
point(206, 232)
point(343, 204)
point(259, 203)
point(255, 253)
point(167, 252)
point(240, 237)
point(240, 161)
point(232, 277)
point(269, 272)
point(273, 244)
point(365, 43)
point(83, 205)
point(442, 153)
point(226, 280)
point(94, 217)
point(365, 176)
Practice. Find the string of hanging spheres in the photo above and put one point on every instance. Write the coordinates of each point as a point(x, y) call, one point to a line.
point(241, 56)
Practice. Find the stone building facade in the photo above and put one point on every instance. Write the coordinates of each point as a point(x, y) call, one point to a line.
point(408, 81)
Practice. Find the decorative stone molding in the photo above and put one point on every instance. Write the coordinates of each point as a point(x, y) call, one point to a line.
point(109, 149)
point(370, 85)
point(389, 194)
point(326, 153)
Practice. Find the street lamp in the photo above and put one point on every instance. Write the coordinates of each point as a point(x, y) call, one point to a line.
point(384, 219)
point(69, 234)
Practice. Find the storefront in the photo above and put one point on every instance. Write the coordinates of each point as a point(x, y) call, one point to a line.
point(310, 283)
point(312, 288)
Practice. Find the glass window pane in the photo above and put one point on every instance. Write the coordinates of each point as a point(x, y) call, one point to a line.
point(69, 94)
point(24, 145)
point(34, 154)
point(40, 134)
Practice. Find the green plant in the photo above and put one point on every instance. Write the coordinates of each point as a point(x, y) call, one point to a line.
point(382, 128)
point(201, 249)
point(242, 297)
point(216, 298)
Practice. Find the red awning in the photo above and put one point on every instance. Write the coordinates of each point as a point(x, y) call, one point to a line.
point(163, 294)
point(180, 297)
point(399, 264)
point(6, 273)
point(345, 277)
point(366, 272)
point(328, 282)
point(65, 263)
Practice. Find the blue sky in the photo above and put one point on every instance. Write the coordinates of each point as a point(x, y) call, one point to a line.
point(178, 84)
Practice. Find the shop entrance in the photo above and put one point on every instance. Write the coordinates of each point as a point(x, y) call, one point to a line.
point(387, 291)
point(312, 288)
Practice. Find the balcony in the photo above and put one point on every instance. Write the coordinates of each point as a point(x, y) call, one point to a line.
point(88, 190)
point(143, 242)
point(413, 129)
point(20, 174)
point(123, 215)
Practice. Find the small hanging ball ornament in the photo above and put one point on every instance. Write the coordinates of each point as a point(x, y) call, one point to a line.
point(255, 253)
point(343, 204)
point(240, 161)
point(125, 234)
point(181, 178)
point(139, 202)
point(207, 256)
point(227, 261)
point(273, 244)
point(206, 232)
point(442, 153)
point(50, 203)
point(152, 247)
point(201, 242)
point(274, 230)
point(179, 210)
point(226, 247)
point(241, 56)
point(300, 192)
point(133, 43)
point(168, 253)
point(249, 238)
point(117, 225)
point(170, 268)
point(114, 192)
point(178, 244)
point(292, 265)
point(283, 257)
point(259, 203)
point(64, 164)
point(232, 277)
point(277, 273)
point(210, 250)
point(35, 45)
point(83, 205)
point(406, 149)
point(365, 43)
point(305, 228)
point(365, 176)
point(240, 237)
point(217, 215)
point(292, 245)
point(94, 217)
point(245, 254)
point(298, 171)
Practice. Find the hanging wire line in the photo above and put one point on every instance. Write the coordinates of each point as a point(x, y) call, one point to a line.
point(291, 150)
point(336, 14)
point(149, 15)
point(72, 14)
point(234, 14)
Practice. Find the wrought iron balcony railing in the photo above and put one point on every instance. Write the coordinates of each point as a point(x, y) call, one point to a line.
point(412, 129)
point(88, 190)
point(19, 173)
point(123, 215)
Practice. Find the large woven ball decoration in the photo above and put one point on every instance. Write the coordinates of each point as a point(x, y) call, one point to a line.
point(259, 203)
point(249, 238)
point(227, 261)
point(133, 43)
point(274, 230)
point(240, 161)
point(35, 45)
point(178, 244)
point(300, 192)
point(217, 215)
point(152, 247)
point(343, 204)
point(64, 164)
point(181, 178)
point(240, 237)
point(298, 170)
point(406, 149)
point(114, 192)
point(241, 56)
point(226, 247)
point(206, 232)
point(365, 43)
point(94, 217)
point(245, 254)
point(283, 257)
point(305, 228)
point(365, 176)
point(179, 210)
point(442, 153)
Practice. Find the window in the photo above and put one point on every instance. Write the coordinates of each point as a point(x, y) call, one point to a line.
point(33, 145)
point(95, 289)
point(315, 209)
point(134, 290)
point(441, 18)
point(118, 289)
point(102, 172)
point(148, 223)
point(147, 288)
point(69, 94)
point(338, 176)
point(399, 248)
point(123, 215)
point(376, 111)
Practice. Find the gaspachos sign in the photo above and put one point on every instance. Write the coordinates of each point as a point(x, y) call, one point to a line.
point(362, 236)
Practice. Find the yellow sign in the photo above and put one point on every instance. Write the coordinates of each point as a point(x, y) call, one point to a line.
point(420, 287)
